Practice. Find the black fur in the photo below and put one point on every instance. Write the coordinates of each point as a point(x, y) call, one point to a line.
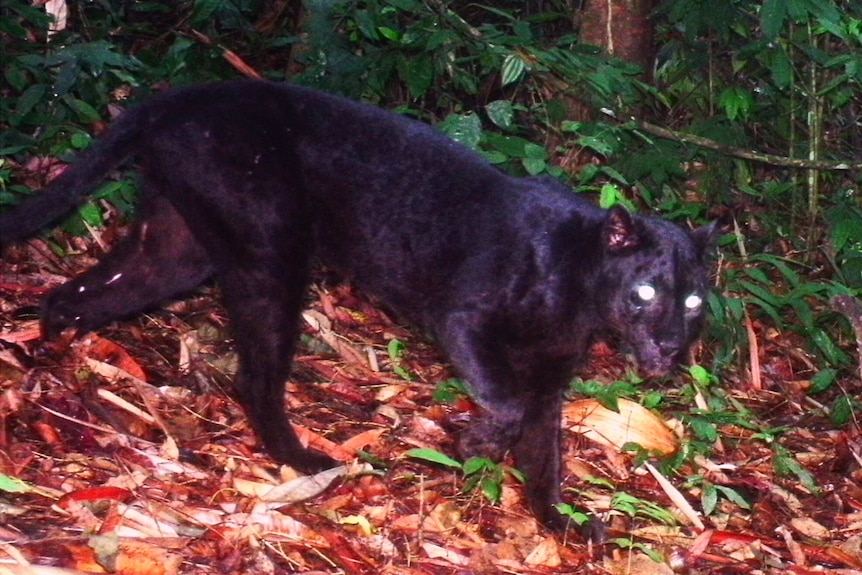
point(248, 180)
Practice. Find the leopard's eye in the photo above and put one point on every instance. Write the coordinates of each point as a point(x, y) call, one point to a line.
point(645, 292)
point(693, 302)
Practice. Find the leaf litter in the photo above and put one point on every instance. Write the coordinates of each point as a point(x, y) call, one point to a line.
point(124, 452)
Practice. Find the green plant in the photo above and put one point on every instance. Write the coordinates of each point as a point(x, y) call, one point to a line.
point(396, 349)
point(606, 394)
point(450, 391)
point(480, 474)
point(710, 494)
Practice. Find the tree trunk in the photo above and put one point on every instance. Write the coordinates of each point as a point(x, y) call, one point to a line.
point(623, 28)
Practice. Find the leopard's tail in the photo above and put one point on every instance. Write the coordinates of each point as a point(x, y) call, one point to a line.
point(117, 144)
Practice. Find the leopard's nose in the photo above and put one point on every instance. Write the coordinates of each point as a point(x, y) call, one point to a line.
point(669, 348)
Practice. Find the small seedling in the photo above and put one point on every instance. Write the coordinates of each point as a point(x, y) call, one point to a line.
point(479, 472)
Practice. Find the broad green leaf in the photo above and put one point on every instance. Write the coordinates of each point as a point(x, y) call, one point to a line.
point(534, 166)
point(477, 464)
point(11, 484)
point(826, 345)
point(782, 68)
point(704, 430)
point(700, 374)
point(80, 140)
point(737, 103)
point(535, 151)
point(823, 380)
point(465, 129)
point(733, 496)
point(501, 113)
point(797, 10)
point(418, 73)
point(493, 156)
point(608, 196)
point(512, 146)
point(773, 13)
point(841, 411)
point(492, 489)
point(204, 9)
point(404, 5)
point(513, 69)
point(434, 456)
point(762, 293)
point(597, 144)
point(86, 112)
point(389, 33)
point(578, 517)
point(27, 101)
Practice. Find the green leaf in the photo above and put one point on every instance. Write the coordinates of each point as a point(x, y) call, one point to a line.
point(434, 456)
point(80, 140)
point(733, 496)
point(513, 69)
point(703, 429)
point(737, 103)
point(477, 464)
point(396, 350)
point(501, 113)
point(841, 411)
point(204, 9)
point(389, 33)
point(708, 498)
point(700, 374)
point(91, 214)
point(418, 73)
point(494, 156)
point(512, 146)
point(534, 166)
point(535, 151)
point(492, 489)
point(577, 516)
point(86, 112)
point(27, 101)
point(785, 464)
point(11, 484)
point(827, 347)
point(782, 69)
point(611, 195)
point(465, 129)
point(773, 13)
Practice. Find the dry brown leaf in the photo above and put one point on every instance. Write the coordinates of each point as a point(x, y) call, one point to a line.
point(437, 552)
point(306, 487)
point(320, 443)
point(545, 554)
point(363, 440)
point(28, 331)
point(810, 528)
point(107, 351)
point(632, 424)
point(139, 558)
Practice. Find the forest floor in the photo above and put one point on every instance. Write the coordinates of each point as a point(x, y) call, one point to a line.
point(124, 451)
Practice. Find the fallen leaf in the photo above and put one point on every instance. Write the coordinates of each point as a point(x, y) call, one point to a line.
point(632, 424)
point(309, 486)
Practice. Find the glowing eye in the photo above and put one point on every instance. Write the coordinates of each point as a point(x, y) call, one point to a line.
point(693, 302)
point(646, 292)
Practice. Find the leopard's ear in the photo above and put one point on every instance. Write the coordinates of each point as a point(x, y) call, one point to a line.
point(705, 237)
point(619, 232)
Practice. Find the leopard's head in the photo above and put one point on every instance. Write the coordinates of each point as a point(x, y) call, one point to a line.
point(655, 279)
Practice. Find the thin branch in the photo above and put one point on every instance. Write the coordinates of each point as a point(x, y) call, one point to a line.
point(709, 144)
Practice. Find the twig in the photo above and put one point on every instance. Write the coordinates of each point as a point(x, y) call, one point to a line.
point(753, 353)
point(232, 57)
point(755, 156)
